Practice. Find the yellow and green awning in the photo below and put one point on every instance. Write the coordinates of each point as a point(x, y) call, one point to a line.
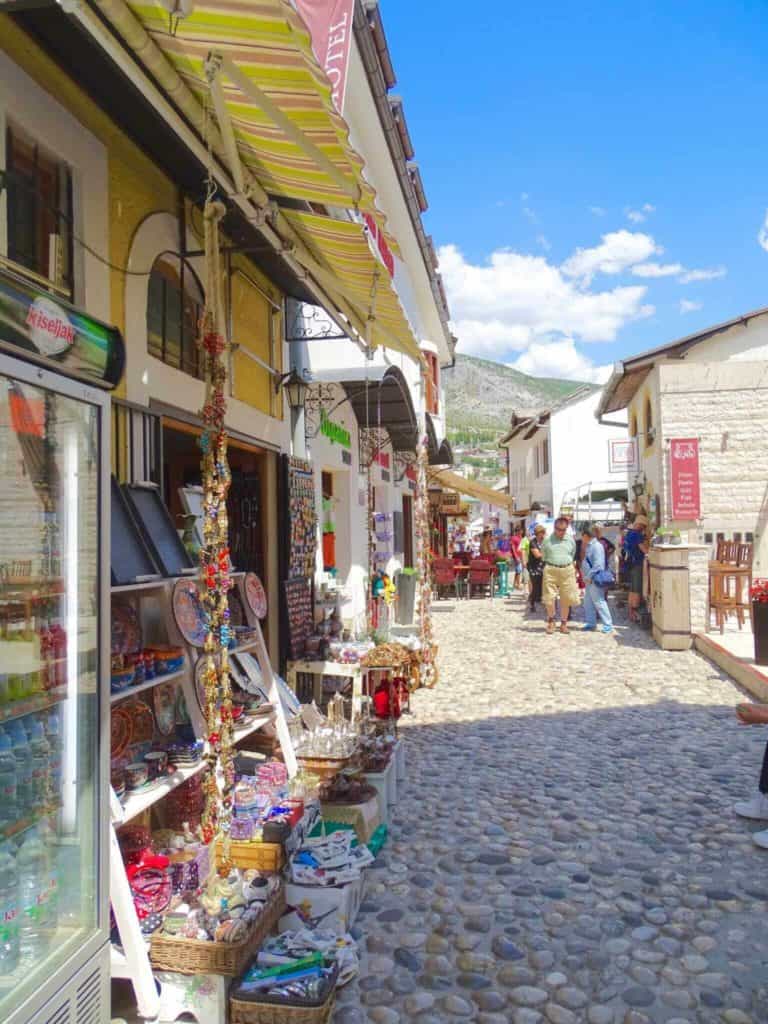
point(269, 45)
point(343, 253)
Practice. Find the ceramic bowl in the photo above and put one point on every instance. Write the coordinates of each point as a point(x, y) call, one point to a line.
point(136, 775)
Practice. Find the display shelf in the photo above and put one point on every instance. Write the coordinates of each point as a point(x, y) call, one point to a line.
point(131, 691)
point(135, 803)
point(253, 726)
point(131, 588)
point(29, 705)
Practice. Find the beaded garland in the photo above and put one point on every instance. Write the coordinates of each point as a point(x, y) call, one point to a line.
point(424, 548)
point(215, 567)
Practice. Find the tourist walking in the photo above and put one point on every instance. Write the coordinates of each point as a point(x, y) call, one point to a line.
point(536, 566)
point(559, 552)
point(593, 568)
point(608, 546)
point(515, 542)
point(634, 549)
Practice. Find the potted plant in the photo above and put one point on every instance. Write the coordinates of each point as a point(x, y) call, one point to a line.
point(674, 537)
point(759, 595)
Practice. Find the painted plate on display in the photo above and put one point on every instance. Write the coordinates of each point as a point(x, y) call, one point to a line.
point(165, 707)
point(121, 731)
point(142, 720)
point(126, 631)
point(255, 595)
point(189, 613)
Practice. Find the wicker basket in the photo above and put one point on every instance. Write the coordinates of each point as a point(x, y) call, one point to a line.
point(250, 1010)
point(191, 956)
point(324, 767)
point(267, 857)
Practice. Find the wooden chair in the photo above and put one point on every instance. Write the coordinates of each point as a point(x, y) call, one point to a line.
point(481, 574)
point(730, 580)
point(444, 575)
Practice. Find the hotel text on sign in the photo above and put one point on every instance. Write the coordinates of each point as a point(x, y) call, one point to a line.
point(684, 478)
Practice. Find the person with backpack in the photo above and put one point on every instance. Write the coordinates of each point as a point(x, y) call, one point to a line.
point(634, 550)
point(596, 581)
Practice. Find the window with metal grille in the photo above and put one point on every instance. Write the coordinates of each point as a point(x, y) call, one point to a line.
point(174, 306)
point(38, 212)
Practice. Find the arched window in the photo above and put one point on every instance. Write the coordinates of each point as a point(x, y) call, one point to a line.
point(633, 425)
point(174, 305)
point(648, 416)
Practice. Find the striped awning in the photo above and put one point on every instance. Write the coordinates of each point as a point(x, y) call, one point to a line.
point(342, 251)
point(269, 45)
point(473, 489)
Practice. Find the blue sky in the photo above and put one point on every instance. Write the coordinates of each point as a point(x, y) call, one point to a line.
point(632, 132)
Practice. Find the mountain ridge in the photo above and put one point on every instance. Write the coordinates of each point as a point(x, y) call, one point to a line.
point(480, 396)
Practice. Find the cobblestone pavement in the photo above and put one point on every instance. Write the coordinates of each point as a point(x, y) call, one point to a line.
point(565, 850)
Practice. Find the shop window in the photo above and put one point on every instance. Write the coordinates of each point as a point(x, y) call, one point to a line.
point(707, 538)
point(544, 457)
point(38, 210)
point(737, 538)
point(749, 537)
point(174, 306)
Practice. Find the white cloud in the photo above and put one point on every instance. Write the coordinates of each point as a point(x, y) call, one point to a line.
point(638, 216)
point(762, 234)
point(689, 306)
point(544, 242)
point(597, 211)
point(657, 269)
point(617, 251)
point(515, 300)
point(560, 359)
point(705, 274)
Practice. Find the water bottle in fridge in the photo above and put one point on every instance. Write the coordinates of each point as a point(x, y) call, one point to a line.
point(32, 869)
point(23, 755)
point(9, 910)
point(41, 765)
point(9, 810)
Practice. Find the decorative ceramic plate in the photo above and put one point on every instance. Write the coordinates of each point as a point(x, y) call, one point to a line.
point(165, 707)
point(255, 595)
point(126, 631)
point(121, 730)
point(188, 612)
point(142, 720)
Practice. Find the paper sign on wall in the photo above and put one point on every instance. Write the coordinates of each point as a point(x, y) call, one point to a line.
point(685, 489)
point(623, 455)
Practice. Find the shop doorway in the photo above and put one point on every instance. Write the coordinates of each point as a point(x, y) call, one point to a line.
point(408, 531)
point(329, 522)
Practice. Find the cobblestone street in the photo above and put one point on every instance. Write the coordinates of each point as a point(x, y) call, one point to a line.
point(566, 850)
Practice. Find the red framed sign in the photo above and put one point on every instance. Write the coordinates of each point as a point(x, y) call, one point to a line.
point(685, 490)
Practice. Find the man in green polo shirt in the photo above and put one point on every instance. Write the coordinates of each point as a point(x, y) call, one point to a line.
point(559, 553)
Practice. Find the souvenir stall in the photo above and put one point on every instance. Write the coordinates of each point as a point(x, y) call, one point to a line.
point(237, 813)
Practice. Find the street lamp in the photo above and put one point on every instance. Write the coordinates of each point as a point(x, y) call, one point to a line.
point(296, 388)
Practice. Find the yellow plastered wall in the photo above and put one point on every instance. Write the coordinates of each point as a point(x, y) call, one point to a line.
point(138, 188)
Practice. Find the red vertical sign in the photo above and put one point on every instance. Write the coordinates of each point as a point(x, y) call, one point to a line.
point(330, 26)
point(684, 478)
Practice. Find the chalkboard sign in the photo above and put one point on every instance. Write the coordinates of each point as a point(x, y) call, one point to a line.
point(131, 562)
point(157, 529)
point(298, 599)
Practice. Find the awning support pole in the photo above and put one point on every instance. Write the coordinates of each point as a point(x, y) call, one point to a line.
point(213, 74)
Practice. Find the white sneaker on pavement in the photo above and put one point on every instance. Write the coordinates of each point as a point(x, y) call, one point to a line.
point(756, 808)
point(761, 839)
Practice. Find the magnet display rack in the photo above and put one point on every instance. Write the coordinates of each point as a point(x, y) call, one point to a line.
point(154, 600)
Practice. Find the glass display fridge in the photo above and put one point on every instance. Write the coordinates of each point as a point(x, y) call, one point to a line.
point(54, 651)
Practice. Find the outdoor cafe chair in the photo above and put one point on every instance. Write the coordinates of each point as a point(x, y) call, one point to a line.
point(481, 574)
point(730, 580)
point(444, 575)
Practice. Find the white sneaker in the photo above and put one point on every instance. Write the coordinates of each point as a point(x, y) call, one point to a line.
point(756, 808)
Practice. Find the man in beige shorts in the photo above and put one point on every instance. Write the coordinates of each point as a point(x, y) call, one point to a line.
point(559, 553)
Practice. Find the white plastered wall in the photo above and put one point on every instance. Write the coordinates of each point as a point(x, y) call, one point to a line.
point(25, 103)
